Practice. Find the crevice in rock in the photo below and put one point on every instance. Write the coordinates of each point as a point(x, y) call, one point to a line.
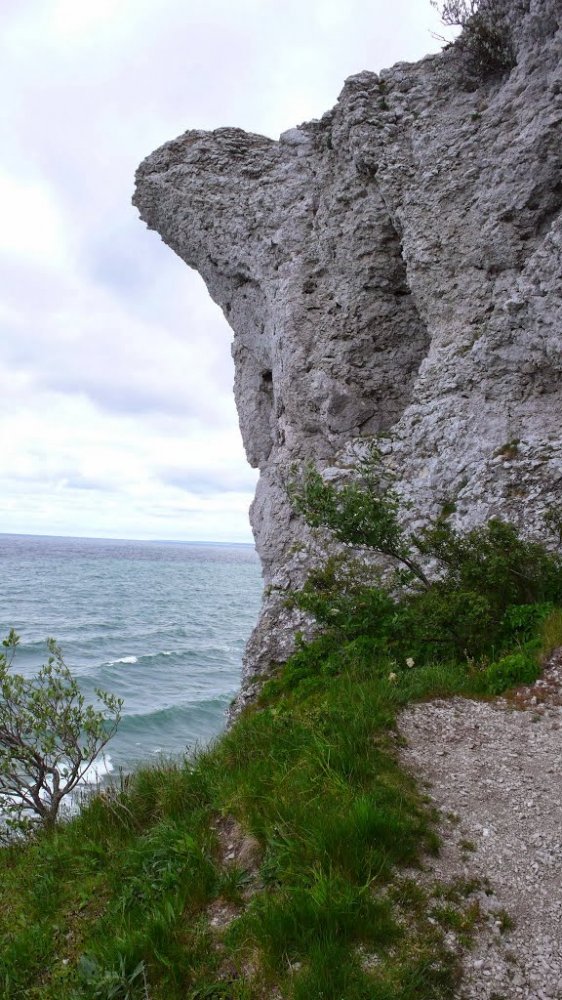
point(395, 340)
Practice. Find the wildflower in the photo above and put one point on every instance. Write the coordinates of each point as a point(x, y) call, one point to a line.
point(410, 661)
point(392, 677)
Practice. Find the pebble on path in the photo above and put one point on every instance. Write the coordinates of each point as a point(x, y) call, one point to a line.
point(493, 769)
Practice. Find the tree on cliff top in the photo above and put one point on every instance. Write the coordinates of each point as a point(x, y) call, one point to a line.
point(49, 737)
point(485, 46)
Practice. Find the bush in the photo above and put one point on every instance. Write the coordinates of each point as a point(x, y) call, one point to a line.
point(362, 513)
point(517, 668)
point(338, 595)
point(49, 737)
point(490, 591)
point(485, 47)
point(522, 622)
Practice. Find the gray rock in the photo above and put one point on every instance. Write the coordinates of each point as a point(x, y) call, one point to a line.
point(395, 269)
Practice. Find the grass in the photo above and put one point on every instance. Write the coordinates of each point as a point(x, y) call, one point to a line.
point(551, 633)
point(116, 904)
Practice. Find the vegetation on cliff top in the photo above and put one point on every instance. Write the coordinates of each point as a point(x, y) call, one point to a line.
point(485, 48)
point(273, 863)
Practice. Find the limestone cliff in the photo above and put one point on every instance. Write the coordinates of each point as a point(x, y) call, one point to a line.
point(393, 269)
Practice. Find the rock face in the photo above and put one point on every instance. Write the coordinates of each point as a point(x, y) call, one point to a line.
point(392, 270)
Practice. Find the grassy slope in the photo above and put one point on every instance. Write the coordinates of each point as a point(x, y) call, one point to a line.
point(119, 902)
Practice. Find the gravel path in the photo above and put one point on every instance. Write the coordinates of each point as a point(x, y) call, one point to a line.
point(493, 769)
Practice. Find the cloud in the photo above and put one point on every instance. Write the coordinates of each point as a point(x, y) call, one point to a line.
point(205, 482)
point(77, 337)
point(102, 471)
point(31, 226)
point(115, 370)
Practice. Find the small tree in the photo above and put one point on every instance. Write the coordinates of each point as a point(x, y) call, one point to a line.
point(485, 586)
point(49, 737)
point(363, 513)
point(456, 13)
point(485, 46)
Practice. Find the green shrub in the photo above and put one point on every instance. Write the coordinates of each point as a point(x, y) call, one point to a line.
point(491, 589)
point(524, 622)
point(485, 47)
point(511, 670)
point(551, 632)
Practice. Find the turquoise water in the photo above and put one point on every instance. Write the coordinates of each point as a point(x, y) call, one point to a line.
point(161, 624)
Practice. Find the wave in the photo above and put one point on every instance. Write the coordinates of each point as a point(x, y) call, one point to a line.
point(172, 714)
point(135, 659)
point(168, 732)
point(97, 771)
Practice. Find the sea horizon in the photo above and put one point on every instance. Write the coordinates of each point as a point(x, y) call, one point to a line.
point(119, 538)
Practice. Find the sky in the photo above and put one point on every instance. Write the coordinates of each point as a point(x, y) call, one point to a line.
point(117, 417)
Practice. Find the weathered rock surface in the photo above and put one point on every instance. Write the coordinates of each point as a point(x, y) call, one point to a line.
point(394, 269)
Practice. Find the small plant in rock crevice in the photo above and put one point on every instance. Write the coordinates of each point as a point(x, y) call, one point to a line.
point(485, 48)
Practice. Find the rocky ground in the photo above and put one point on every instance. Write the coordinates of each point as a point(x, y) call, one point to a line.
point(493, 771)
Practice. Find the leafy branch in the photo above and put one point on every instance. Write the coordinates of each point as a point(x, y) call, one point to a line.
point(477, 578)
point(49, 737)
point(362, 513)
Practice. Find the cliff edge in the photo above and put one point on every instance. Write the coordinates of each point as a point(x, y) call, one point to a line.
point(393, 270)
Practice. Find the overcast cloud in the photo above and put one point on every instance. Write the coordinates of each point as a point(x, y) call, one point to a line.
point(116, 409)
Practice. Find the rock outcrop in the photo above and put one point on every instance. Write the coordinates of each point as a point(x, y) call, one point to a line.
point(392, 270)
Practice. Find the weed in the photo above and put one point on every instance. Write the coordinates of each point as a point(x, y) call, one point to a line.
point(509, 450)
point(116, 983)
point(221, 990)
point(233, 881)
point(504, 921)
point(551, 632)
point(461, 920)
point(458, 890)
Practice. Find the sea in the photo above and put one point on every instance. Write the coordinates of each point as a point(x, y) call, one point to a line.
point(162, 625)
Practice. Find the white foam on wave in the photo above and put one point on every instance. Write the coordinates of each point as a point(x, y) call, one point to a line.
point(135, 659)
point(98, 770)
point(90, 781)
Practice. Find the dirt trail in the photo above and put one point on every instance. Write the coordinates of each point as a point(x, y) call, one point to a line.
point(493, 769)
